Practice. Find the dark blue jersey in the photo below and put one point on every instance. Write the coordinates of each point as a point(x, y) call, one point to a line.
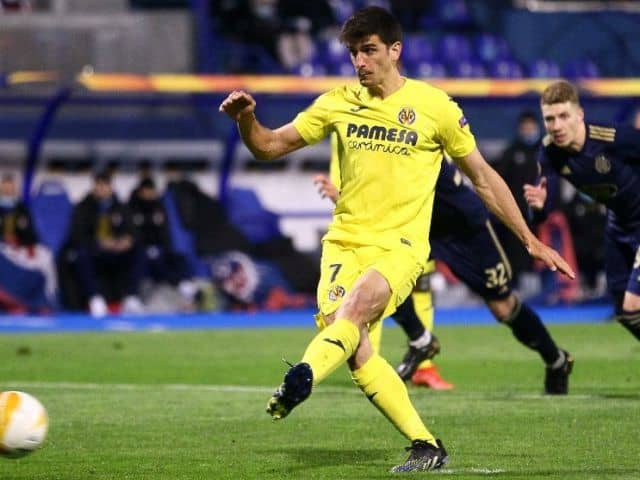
point(607, 169)
point(457, 208)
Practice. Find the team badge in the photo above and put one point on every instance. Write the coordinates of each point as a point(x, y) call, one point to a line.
point(462, 122)
point(336, 292)
point(407, 115)
point(603, 165)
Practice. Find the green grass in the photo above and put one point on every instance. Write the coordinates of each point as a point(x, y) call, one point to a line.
point(190, 405)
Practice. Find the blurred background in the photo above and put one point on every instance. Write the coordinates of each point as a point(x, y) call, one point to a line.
point(110, 141)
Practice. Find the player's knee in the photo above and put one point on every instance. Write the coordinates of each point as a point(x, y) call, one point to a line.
point(504, 309)
point(362, 305)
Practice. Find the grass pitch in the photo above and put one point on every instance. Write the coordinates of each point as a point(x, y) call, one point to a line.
point(190, 405)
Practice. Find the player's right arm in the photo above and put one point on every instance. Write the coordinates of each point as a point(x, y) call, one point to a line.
point(264, 143)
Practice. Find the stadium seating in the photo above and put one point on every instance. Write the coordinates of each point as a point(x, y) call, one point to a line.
point(51, 209)
point(248, 214)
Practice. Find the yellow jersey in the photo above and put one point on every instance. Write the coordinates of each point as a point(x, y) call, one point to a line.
point(389, 151)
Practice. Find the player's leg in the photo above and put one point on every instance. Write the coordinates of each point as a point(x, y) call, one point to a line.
point(528, 329)
point(623, 272)
point(628, 309)
point(379, 381)
point(415, 317)
point(480, 262)
point(348, 301)
point(387, 392)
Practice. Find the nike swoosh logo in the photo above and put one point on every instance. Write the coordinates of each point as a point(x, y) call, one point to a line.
point(357, 109)
point(336, 342)
point(370, 397)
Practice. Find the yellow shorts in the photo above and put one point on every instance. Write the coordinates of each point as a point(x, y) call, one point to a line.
point(342, 265)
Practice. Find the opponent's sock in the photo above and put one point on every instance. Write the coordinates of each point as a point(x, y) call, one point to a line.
point(384, 388)
point(330, 347)
point(631, 321)
point(527, 327)
point(405, 316)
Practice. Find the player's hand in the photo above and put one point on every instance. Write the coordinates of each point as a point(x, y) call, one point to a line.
point(536, 195)
point(549, 256)
point(326, 189)
point(238, 104)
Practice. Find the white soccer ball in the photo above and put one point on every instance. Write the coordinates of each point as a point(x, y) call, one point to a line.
point(23, 424)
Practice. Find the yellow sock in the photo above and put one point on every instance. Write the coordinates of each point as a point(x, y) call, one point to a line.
point(423, 304)
point(384, 388)
point(331, 347)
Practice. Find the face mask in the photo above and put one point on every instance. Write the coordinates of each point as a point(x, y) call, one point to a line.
point(530, 138)
point(8, 202)
point(264, 11)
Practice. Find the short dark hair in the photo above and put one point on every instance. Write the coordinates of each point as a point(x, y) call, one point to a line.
point(147, 183)
point(527, 115)
point(371, 21)
point(560, 92)
point(102, 176)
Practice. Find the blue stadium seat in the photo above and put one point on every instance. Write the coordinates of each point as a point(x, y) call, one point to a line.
point(311, 69)
point(247, 213)
point(342, 69)
point(583, 68)
point(51, 210)
point(417, 48)
point(491, 48)
point(455, 48)
point(542, 68)
point(182, 239)
point(332, 52)
point(428, 70)
point(451, 14)
point(467, 69)
point(508, 69)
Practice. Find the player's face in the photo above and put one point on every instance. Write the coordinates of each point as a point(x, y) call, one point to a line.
point(563, 122)
point(373, 60)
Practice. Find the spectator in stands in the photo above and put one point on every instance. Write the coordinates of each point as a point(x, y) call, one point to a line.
point(254, 22)
point(303, 24)
point(27, 272)
point(109, 263)
point(161, 262)
point(518, 166)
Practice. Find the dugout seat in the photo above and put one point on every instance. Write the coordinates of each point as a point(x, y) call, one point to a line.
point(246, 212)
point(51, 210)
point(182, 239)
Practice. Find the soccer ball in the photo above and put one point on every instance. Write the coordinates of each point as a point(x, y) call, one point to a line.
point(23, 424)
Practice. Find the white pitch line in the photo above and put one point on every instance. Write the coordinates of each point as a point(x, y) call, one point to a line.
point(262, 389)
point(481, 471)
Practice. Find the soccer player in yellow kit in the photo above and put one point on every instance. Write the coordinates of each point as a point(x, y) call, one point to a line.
point(392, 132)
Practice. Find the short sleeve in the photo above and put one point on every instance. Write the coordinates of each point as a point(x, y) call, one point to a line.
point(455, 133)
point(313, 123)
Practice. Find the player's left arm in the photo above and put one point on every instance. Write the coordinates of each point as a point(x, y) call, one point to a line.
point(497, 197)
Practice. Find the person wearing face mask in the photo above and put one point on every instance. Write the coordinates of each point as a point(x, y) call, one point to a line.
point(16, 224)
point(161, 262)
point(27, 274)
point(518, 166)
point(107, 259)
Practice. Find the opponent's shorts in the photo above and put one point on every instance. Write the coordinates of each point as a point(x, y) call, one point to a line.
point(623, 260)
point(478, 260)
point(342, 265)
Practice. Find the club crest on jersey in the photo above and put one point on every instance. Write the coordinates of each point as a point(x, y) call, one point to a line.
point(336, 293)
point(406, 115)
point(602, 164)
